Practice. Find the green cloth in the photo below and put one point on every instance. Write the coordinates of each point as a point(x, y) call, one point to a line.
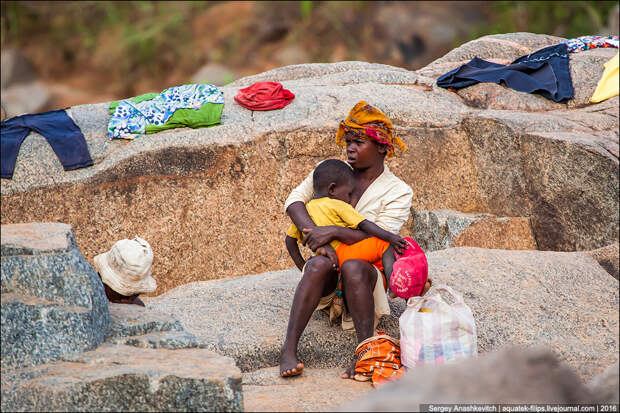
point(135, 99)
point(209, 114)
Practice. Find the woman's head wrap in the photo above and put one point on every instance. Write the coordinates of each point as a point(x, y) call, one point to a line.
point(369, 123)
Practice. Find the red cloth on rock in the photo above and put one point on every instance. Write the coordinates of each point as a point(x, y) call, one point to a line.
point(264, 96)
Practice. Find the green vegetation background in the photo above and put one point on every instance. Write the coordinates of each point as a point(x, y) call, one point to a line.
point(150, 37)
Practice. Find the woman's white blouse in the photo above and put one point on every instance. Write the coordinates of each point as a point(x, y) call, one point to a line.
point(386, 202)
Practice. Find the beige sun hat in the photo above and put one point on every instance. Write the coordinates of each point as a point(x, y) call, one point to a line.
point(126, 268)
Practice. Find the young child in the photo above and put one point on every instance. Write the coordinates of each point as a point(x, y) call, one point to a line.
point(333, 183)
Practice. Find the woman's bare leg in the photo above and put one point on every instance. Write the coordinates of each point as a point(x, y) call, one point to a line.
point(358, 283)
point(318, 280)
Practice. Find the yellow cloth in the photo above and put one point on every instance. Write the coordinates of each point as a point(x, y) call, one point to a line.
point(386, 202)
point(328, 211)
point(369, 123)
point(608, 84)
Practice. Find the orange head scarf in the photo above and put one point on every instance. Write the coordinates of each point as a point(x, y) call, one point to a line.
point(369, 123)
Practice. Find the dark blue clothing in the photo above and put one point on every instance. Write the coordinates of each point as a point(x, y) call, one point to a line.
point(544, 72)
point(63, 135)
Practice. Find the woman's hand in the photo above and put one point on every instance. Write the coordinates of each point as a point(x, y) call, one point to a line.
point(316, 237)
point(399, 244)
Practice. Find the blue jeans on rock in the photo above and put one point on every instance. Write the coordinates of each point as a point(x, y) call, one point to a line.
point(63, 135)
point(544, 72)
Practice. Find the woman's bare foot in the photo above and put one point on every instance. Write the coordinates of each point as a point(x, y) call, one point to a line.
point(290, 365)
point(349, 373)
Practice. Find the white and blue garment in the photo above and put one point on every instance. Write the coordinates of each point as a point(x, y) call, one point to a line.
point(582, 43)
point(130, 119)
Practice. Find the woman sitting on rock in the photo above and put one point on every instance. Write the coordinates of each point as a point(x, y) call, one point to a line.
point(125, 271)
point(379, 196)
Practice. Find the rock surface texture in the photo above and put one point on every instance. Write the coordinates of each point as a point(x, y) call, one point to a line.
point(562, 300)
point(126, 378)
point(252, 314)
point(316, 390)
point(435, 230)
point(206, 198)
point(54, 309)
point(53, 303)
point(517, 375)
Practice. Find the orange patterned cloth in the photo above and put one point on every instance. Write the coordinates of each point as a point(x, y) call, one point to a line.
point(378, 359)
point(369, 123)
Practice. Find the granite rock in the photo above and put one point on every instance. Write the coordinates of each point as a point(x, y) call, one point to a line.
point(53, 302)
point(316, 390)
point(134, 320)
point(205, 198)
point(514, 375)
point(608, 258)
point(434, 230)
point(252, 315)
point(604, 386)
point(126, 378)
point(562, 300)
point(136, 326)
point(517, 297)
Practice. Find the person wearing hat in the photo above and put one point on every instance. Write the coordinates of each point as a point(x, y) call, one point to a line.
point(125, 271)
point(380, 196)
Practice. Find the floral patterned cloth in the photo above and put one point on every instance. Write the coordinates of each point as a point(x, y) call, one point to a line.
point(590, 42)
point(129, 119)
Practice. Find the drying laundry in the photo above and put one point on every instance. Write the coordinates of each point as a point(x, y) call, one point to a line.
point(193, 105)
point(63, 135)
point(544, 72)
point(607, 86)
point(582, 43)
point(264, 96)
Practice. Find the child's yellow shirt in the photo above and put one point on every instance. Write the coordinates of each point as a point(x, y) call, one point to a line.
point(328, 211)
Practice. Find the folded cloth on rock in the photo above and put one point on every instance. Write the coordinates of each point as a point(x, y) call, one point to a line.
point(60, 131)
point(264, 96)
point(378, 359)
point(194, 106)
point(544, 72)
point(608, 84)
point(582, 43)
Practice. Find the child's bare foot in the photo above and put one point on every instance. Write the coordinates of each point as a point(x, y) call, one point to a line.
point(349, 373)
point(290, 365)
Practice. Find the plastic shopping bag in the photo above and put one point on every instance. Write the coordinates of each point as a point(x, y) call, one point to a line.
point(434, 331)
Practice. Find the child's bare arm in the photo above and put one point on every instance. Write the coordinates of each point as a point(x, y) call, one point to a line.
point(293, 250)
point(373, 229)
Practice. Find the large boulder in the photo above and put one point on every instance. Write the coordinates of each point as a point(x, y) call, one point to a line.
point(246, 317)
point(53, 302)
point(565, 301)
point(512, 376)
point(434, 230)
point(126, 378)
point(210, 200)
